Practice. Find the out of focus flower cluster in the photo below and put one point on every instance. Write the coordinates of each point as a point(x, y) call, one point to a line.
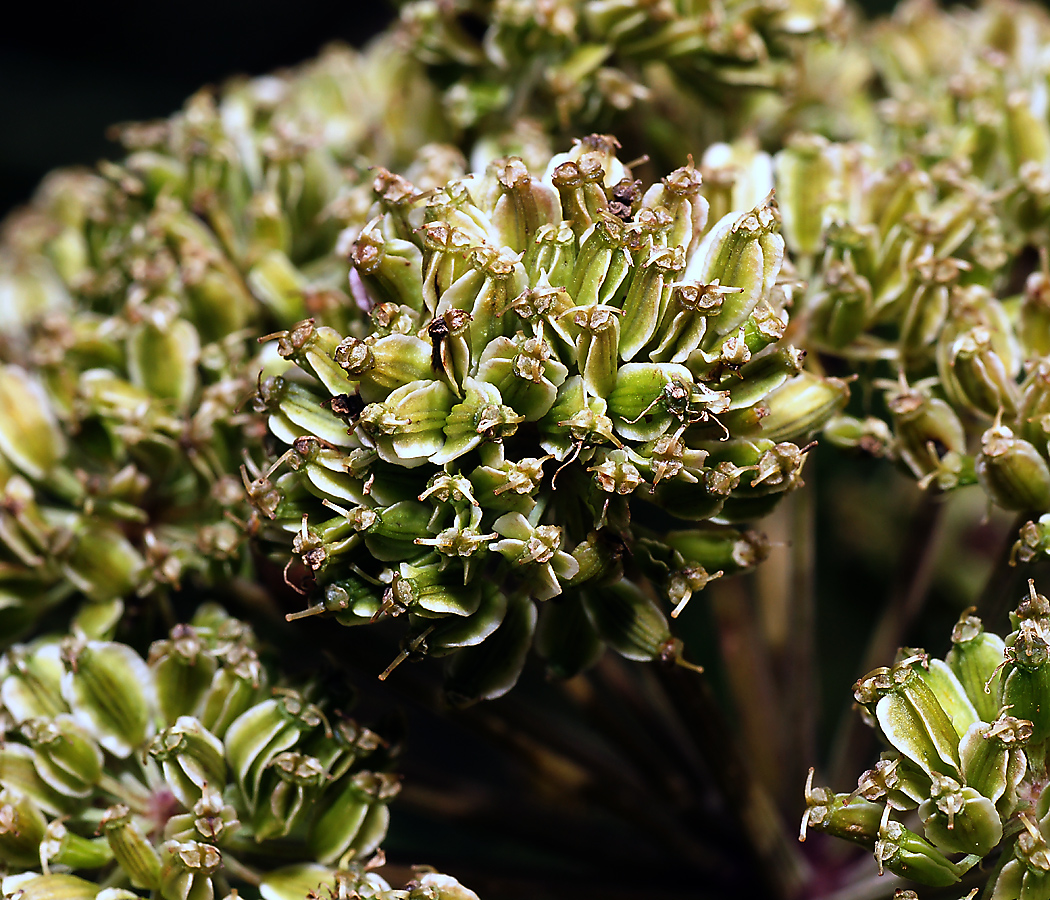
point(130, 299)
point(573, 63)
point(924, 254)
point(551, 365)
point(185, 774)
point(970, 736)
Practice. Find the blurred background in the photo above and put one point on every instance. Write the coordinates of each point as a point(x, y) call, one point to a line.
point(68, 73)
point(66, 76)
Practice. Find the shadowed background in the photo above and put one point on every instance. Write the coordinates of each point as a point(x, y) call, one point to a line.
point(67, 73)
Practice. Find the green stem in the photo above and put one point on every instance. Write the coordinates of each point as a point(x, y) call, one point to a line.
point(137, 801)
point(240, 871)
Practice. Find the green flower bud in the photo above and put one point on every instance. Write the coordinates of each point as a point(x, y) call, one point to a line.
point(993, 759)
point(647, 297)
point(552, 253)
point(685, 321)
point(29, 434)
point(951, 696)
point(191, 758)
point(163, 353)
point(407, 428)
point(295, 412)
point(840, 815)
point(1028, 873)
point(276, 282)
point(975, 659)
point(482, 416)
point(210, 820)
point(183, 671)
point(805, 179)
point(103, 563)
point(719, 548)
point(526, 205)
point(799, 407)
point(896, 780)
point(596, 346)
point(62, 847)
point(433, 590)
point(383, 365)
point(760, 377)
point(18, 772)
point(628, 621)
point(844, 305)
point(525, 374)
point(910, 716)
point(603, 264)
point(357, 819)
point(1012, 472)
point(643, 397)
point(186, 870)
point(742, 251)
point(1025, 679)
point(260, 733)
point(65, 756)
point(32, 681)
point(578, 183)
point(22, 828)
point(450, 634)
point(975, 376)
point(539, 549)
point(313, 348)
point(905, 853)
point(110, 693)
point(299, 779)
point(56, 886)
point(927, 429)
point(235, 687)
point(958, 819)
point(389, 266)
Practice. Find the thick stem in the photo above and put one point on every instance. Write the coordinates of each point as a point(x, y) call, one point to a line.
point(758, 704)
point(798, 675)
point(999, 593)
point(775, 851)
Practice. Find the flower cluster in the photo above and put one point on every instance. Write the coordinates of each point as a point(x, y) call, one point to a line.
point(547, 360)
point(129, 303)
point(185, 774)
point(570, 63)
point(970, 736)
point(920, 250)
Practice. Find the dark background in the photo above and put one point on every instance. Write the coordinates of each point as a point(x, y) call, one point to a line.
point(68, 71)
